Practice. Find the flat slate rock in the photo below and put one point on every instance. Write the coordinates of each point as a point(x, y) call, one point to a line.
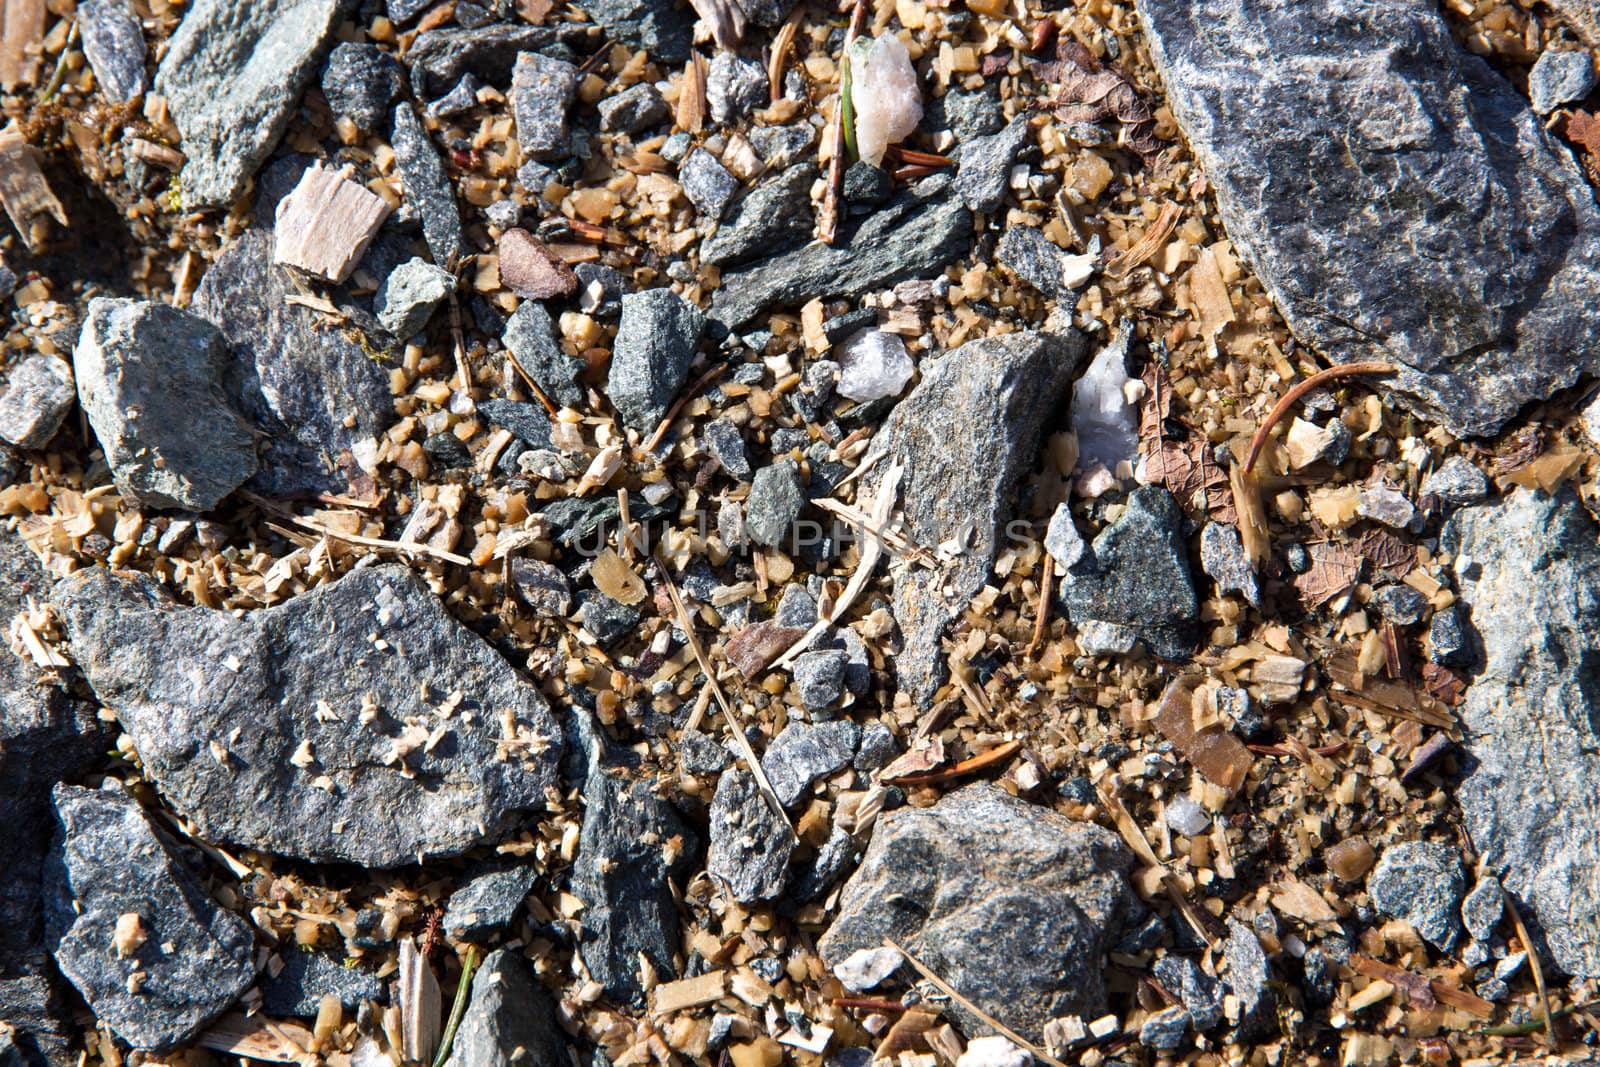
point(487, 900)
point(530, 337)
point(439, 58)
point(1011, 903)
point(113, 42)
point(254, 727)
point(1399, 200)
point(772, 217)
point(510, 1019)
point(966, 435)
point(1529, 570)
point(196, 957)
point(426, 185)
point(233, 74)
point(297, 379)
point(655, 344)
point(663, 28)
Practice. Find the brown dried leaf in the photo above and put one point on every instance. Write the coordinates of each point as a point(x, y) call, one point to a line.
point(1187, 471)
point(1583, 130)
point(1390, 557)
point(1157, 406)
point(1416, 987)
point(754, 647)
point(1084, 91)
point(1334, 571)
point(1443, 684)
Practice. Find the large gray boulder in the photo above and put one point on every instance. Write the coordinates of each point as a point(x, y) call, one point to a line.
point(1009, 902)
point(132, 929)
point(966, 436)
point(1399, 200)
point(358, 722)
point(1529, 570)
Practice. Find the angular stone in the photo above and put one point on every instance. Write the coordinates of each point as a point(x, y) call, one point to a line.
point(542, 587)
point(458, 101)
point(542, 89)
point(873, 365)
point(802, 753)
point(1421, 882)
point(510, 1018)
point(1528, 568)
point(735, 87)
point(1037, 260)
point(702, 754)
point(440, 58)
point(656, 342)
point(780, 147)
point(724, 441)
point(1010, 903)
point(866, 185)
point(232, 75)
point(530, 336)
point(1104, 421)
point(1450, 641)
point(39, 393)
point(531, 270)
point(985, 166)
point(776, 497)
point(1136, 576)
point(707, 183)
point(1200, 993)
point(113, 42)
point(837, 856)
point(150, 378)
point(195, 957)
point(484, 904)
point(819, 676)
point(966, 435)
point(1222, 558)
point(426, 185)
point(913, 236)
point(405, 301)
point(1430, 221)
point(298, 989)
point(296, 730)
point(636, 108)
point(1560, 78)
point(295, 379)
point(750, 845)
point(362, 82)
point(660, 27)
point(607, 620)
point(774, 216)
point(1457, 481)
point(768, 13)
point(1251, 979)
point(885, 93)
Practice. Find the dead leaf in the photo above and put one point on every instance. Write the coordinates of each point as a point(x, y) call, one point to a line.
point(1416, 987)
point(1085, 91)
point(1443, 684)
point(1334, 571)
point(1187, 471)
point(1157, 406)
point(1390, 557)
point(1583, 130)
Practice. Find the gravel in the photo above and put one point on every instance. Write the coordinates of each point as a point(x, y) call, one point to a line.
point(406, 300)
point(774, 216)
point(1223, 559)
point(510, 1018)
point(803, 753)
point(735, 87)
point(776, 498)
point(656, 342)
point(1457, 482)
point(39, 394)
point(542, 90)
point(750, 845)
point(709, 185)
point(530, 336)
point(985, 166)
point(1421, 882)
point(427, 188)
point(485, 901)
point(1560, 78)
point(113, 42)
point(636, 108)
point(362, 82)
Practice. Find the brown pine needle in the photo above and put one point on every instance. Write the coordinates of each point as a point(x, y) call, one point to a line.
point(1281, 408)
point(677, 406)
point(828, 222)
point(1042, 617)
point(998, 754)
point(781, 46)
point(954, 994)
point(1535, 965)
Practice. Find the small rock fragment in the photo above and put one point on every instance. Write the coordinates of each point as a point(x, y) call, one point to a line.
point(408, 296)
point(773, 217)
point(1449, 639)
point(1104, 420)
point(724, 441)
point(754, 647)
point(750, 845)
point(510, 1018)
point(1385, 505)
point(113, 42)
point(362, 82)
point(873, 364)
point(606, 619)
point(820, 678)
point(1560, 78)
point(1200, 993)
point(1308, 443)
point(531, 270)
point(530, 336)
point(1034, 258)
point(1482, 908)
point(1186, 817)
point(1400, 604)
point(702, 754)
point(866, 185)
point(1164, 1030)
point(440, 58)
point(426, 185)
point(485, 903)
point(867, 968)
point(1062, 539)
point(656, 342)
point(298, 989)
point(1421, 882)
point(542, 90)
point(541, 586)
point(39, 393)
point(735, 87)
point(1458, 482)
point(885, 93)
point(1250, 978)
point(802, 753)
point(776, 497)
point(985, 166)
point(636, 108)
point(1223, 559)
point(660, 27)
point(707, 183)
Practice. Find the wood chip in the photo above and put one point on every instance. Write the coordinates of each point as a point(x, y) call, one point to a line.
point(21, 35)
point(325, 225)
point(420, 1004)
point(1149, 244)
point(24, 191)
point(1215, 752)
point(260, 1039)
point(689, 992)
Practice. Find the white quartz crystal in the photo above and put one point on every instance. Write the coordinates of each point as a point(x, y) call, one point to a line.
point(1102, 417)
point(885, 94)
point(872, 365)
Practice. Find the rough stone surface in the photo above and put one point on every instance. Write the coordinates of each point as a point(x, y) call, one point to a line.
point(985, 166)
point(485, 902)
point(1223, 559)
point(725, 442)
point(530, 423)
point(1250, 977)
point(362, 82)
point(1421, 882)
point(774, 216)
point(530, 335)
point(1136, 576)
point(776, 497)
point(866, 185)
point(655, 344)
point(1010, 903)
point(298, 989)
point(1528, 568)
point(820, 677)
point(542, 89)
point(1450, 641)
point(273, 754)
point(39, 393)
point(296, 380)
point(510, 1019)
point(707, 183)
point(1397, 197)
point(1457, 481)
point(232, 75)
point(113, 42)
point(440, 58)
point(661, 27)
point(1200, 993)
point(405, 301)
point(750, 845)
point(636, 108)
point(965, 435)
point(1482, 908)
point(1035, 259)
point(911, 237)
point(735, 87)
point(541, 586)
point(197, 957)
point(426, 185)
point(802, 753)
point(150, 378)
point(1400, 604)
point(1560, 78)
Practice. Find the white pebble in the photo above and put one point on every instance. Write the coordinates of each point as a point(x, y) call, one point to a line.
point(1186, 817)
point(885, 93)
point(865, 968)
point(873, 364)
point(993, 1051)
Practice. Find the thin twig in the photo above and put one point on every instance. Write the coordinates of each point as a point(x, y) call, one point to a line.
point(1342, 370)
point(1534, 964)
point(1042, 616)
point(781, 46)
point(401, 547)
point(677, 406)
point(828, 225)
point(954, 994)
point(998, 754)
point(60, 73)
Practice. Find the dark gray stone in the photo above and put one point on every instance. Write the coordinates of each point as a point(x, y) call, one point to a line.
point(1457, 482)
point(910, 237)
point(1421, 882)
point(1034, 258)
point(1136, 577)
point(253, 728)
point(232, 74)
point(1250, 977)
point(797, 608)
point(1222, 558)
point(1200, 993)
point(402, 11)
point(985, 166)
point(973, 113)
point(510, 1019)
point(113, 42)
point(486, 902)
point(636, 108)
point(542, 587)
point(837, 856)
point(530, 335)
point(529, 422)
point(661, 27)
point(1482, 908)
point(150, 379)
point(196, 957)
point(1400, 604)
point(656, 342)
point(877, 748)
point(780, 147)
point(750, 844)
point(542, 89)
point(1528, 569)
point(735, 87)
point(776, 498)
point(362, 82)
point(726, 444)
point(774, 216)
point(608, 620)
point(768, 13)
point(298, 989)
point(39, 393)
point(426, 186)
point(1450, 640)
point(440, 58)
point(1560, 78)
point(1164, 1030)
point(820, 678)
point(707, 183)
point(405, 301)
point(602, 290)
point(867, 185)
point(966, 436)
point(1427, 219)
point(1010, 903)
point(702, 754)
point(802, 753)
point(458, 101)
point(297, 380)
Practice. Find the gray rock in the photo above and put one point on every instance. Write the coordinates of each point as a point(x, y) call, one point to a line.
point(774, 216)
point(707, 183)
point(776, 497)
point(1034, 258)
point(972, 114)
point(298, 989)
point(661, 27)
point(985, 166)
point(1136, 576)
point(911, 237)
point(542, 89)
point(542, 587)
point(1250, 977)
point(702, 754)
point(113, 42)
point(1432, 222)
point(1560, 78)
point(232, 74)
point(820, 677)
point(1450, 640)
point(39, 393)
point(150, 379)
point(530, 335)
point(726, 444)
point(750, 844)
point(837, 855)
point(402, 11)
point(1222, 558)
point(458, 101)
point(426, 186)
point(966, 435)
point(196, 957)
point(865, 185)
point(486, 902)
point(1384, 504)
point(530, 423)
point(1421, 882)
point(295, 379)
point(1010, 903)
point(1062, 539)
point(1528, 568)
point(405, 301)
point(253, 727)
point(797, 608)
point(636, 108)
point(768, 13)
point(1200, 993)
point(877, 748)
point(780, 147)
point(1164, 1030)
point(656, 342)
point(735, 87)
point(609, 621)
point(510, 1019)
point(802, 753)
point(1482, 908)
point(602, 290)
point(1457, 482)
point(440, 58)
point(361, 82)
point(1400, 604)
